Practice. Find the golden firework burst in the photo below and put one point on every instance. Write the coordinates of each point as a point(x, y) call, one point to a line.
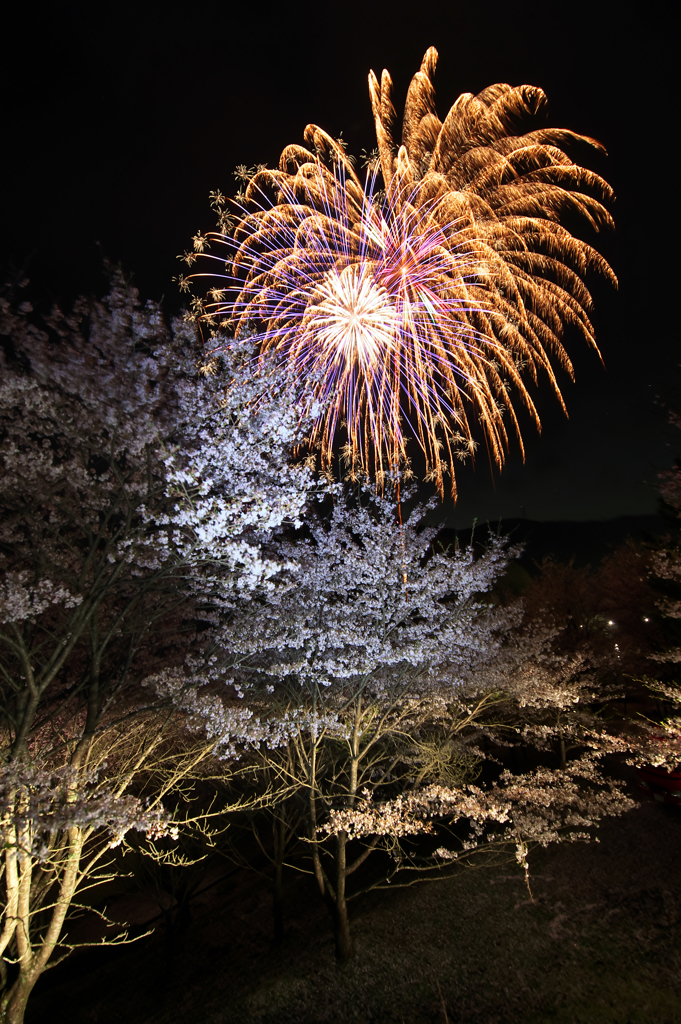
point(431, 303)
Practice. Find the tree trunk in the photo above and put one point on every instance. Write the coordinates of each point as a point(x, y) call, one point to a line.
point(345, 949)
point(278, 904)
point(279, 842)
point(344, 945)
point(32, 959)
point(14, 1000)
point(335, 901)
point(563, 754)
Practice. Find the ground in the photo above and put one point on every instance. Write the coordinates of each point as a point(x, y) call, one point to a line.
point(599, 943)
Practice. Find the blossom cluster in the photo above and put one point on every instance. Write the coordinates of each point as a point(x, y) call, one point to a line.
point(539, 807)
point(372, 604)
point(20, 601)
point(37, 802)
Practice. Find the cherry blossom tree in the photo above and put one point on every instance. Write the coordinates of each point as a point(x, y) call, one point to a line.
point(600, 621)
point(373, 638)
point(370, 677)
point(137, 496)
point(657, 741)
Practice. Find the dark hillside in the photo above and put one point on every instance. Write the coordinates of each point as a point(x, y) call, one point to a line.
point(585, 542)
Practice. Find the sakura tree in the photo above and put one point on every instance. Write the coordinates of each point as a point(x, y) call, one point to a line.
point(597, 631)
point(137, 493)
point(369, 647)
point(368, 686)
point(658, 742)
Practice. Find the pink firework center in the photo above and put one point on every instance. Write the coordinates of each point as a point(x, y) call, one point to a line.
point(370, 313)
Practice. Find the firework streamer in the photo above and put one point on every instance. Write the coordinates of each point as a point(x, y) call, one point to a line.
point(427, 307)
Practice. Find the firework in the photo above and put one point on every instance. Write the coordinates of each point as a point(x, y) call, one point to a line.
point(421, 308)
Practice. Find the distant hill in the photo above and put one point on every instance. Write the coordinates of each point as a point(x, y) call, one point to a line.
point(587, 542)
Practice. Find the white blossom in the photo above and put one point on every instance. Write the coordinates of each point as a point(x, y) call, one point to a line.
point(20, 600)
point(37, 802)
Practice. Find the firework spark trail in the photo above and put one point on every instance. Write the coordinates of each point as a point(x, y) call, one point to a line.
point(417, 311)
point(371, 304)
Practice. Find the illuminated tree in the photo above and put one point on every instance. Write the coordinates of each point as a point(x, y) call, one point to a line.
point(658, 742)
point(602, 633)
point(368, 682)
point(136, 498)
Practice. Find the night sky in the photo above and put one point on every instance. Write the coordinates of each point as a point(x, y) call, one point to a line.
point(118, 123)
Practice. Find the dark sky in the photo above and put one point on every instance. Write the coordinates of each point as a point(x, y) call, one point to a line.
point(119, 121)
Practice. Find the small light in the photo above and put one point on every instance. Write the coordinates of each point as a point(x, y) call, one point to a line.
point(610, 622)
point(646, 619)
